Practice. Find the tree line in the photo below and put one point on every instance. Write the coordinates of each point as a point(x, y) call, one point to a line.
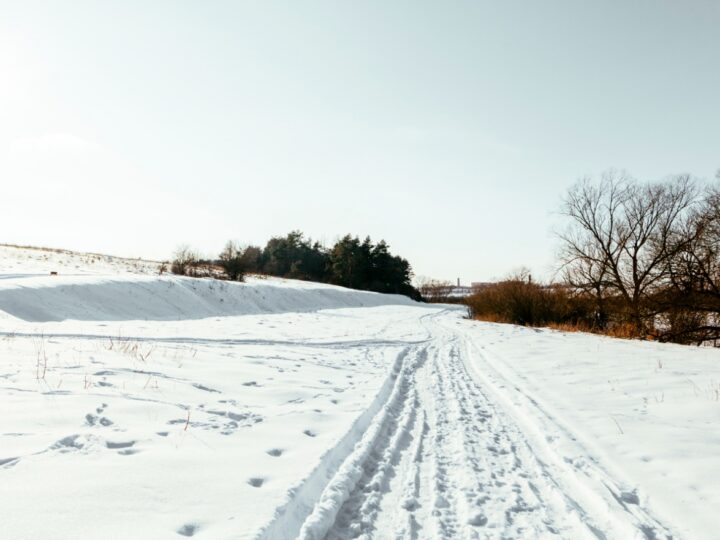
point(640, 259)
point(350, 262)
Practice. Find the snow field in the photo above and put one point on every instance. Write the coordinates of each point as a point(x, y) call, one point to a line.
point(145, 406)
point(629, 427)
point(196, 437)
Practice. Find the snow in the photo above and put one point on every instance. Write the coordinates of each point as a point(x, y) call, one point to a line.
point(639, 418)
point(139, 405)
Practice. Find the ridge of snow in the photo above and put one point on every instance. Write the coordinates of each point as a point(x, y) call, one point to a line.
point(168, 298)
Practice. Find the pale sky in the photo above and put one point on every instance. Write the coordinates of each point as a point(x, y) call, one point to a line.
point(450, 129)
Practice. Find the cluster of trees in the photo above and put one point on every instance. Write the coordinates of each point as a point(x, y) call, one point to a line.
point(350, 262)
point(642, 256)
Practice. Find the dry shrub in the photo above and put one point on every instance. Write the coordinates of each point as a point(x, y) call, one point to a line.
point(519, 300)
point(490, 317)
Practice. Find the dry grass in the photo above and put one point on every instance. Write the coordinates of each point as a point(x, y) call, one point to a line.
point(41, 363)
point(570, 327)
point(623, 331)
point(491, 317)
point(620, 331)
point(137, 349)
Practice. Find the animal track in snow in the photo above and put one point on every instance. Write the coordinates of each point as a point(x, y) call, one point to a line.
point(275, 452)
point(256, 482)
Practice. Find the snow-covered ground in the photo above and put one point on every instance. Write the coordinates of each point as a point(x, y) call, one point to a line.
point(144, 406)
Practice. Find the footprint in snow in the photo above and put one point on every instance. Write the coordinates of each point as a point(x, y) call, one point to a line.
point(71, 442)
point(256, 482)
point(630, 497)
point(251, 383)
point(91, 420)
point(275, 452)
point(411, 504)
point(478, 520)
point(310, 433)
point(125, 448)
point(189, 529)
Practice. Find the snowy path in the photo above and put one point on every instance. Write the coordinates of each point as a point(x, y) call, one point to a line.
point(155, 407)
point(442, 460)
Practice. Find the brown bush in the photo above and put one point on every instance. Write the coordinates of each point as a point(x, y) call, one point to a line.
point(519, 300)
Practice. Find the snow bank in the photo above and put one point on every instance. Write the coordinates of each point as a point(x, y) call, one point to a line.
point(166, 298)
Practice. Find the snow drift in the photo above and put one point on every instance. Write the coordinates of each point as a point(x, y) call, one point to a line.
point(167, 298)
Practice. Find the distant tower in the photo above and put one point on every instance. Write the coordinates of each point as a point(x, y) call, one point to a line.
point(458, 282)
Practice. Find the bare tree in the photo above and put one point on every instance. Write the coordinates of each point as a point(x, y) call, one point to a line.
point(434, 290)
point(693, 298)
point(231, 261)
point(184, 261)
point(621, 236)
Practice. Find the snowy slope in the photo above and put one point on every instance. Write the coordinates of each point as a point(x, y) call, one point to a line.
point(98, 287)
point(23, 261)
point(160, 298)
point(145, 406)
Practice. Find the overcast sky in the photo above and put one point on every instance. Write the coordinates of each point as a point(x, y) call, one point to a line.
point(450, 129)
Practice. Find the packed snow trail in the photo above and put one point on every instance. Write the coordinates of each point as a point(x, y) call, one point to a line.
point(277, 409)
point(443, 460)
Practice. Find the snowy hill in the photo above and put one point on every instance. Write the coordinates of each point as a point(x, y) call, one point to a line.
point(165, 298)
point(97, 287)
point(145, 406)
